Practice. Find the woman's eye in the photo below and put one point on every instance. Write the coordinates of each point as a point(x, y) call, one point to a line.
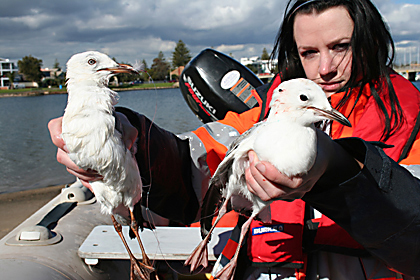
point(308, 53)
point(342, 47)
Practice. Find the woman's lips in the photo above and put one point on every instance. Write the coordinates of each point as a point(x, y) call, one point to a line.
point(330, 86)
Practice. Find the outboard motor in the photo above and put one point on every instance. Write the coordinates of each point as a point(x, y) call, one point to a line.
point(213, 83)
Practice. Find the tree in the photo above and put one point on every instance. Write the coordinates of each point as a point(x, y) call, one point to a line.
point(181, 56)
point(11, 76)
point(275, 69)
point(160, 68)
point(265, 55)
point(144, 74)
point(30, 68)
point(253, 68)
point(57, 65)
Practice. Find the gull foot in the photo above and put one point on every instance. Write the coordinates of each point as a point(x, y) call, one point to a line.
point(198, 257)
point(140, 271)
point(228, 272)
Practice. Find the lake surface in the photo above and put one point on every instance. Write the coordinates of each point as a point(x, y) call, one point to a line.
point(27, 155)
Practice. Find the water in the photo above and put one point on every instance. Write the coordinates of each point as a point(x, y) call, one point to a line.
point(27, 155)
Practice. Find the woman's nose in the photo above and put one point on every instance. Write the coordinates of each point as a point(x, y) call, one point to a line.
point(326, 64)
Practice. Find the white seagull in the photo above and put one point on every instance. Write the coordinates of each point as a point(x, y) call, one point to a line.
point(94, 143)
point(287, 139)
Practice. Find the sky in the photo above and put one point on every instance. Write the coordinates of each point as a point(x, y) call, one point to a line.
point(133, 30)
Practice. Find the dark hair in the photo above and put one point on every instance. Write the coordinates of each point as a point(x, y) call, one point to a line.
point(372, 46)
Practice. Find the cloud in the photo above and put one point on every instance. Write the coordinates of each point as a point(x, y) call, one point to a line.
point(131, 30)
point(402, 18)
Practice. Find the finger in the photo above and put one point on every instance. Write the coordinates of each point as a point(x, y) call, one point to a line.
point(284, 186)
point(131, 137)
point(63, 158)
point(86, 184)
point(254, 187)
point(272, 174)
point(257, 182)
point(130, 132)
point(72, 168)
point(85, 176)
point(268, 183)
point(271, 191)
point(54, 127)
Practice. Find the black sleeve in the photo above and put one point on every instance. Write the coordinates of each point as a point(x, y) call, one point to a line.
point(379, 207)
point(165, 167)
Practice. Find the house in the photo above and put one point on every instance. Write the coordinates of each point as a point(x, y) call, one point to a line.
point(52, 76)
point(177, 72)
point(264, 68)
point(7, 66)
point(52, 73)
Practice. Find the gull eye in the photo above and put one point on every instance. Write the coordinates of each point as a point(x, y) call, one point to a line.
point(303, 97)
point(91, 61)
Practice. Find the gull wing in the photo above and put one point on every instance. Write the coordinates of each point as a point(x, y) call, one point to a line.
point(214, 195)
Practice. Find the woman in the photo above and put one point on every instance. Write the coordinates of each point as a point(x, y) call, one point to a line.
point(331, 42)
point(343, 46)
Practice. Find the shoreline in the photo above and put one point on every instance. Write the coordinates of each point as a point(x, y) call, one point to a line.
point(52, 92)
point(16, 207)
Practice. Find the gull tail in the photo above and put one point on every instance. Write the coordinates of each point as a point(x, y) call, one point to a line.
point(211, 203)
point(142, 223)
point(214, 195)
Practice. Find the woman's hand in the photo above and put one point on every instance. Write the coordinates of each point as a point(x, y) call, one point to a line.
point(85, 176)
point(129, 132)
point(54, 126)
point(265, 181)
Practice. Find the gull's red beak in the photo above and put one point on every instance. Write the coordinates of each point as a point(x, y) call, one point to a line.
point(121, 68)
point(332, 115)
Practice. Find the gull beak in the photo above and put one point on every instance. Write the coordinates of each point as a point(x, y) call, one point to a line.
point(121, 68)
point(333, 114)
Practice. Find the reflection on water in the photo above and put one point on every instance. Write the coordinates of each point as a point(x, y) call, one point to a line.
point(27, 156)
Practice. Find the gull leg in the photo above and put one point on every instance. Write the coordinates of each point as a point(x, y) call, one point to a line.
point(145, 258)
point(135, 229)
point(200, 255)
point(228, 272)
point(138, 270)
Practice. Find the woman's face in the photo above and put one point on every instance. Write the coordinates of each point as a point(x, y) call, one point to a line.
point(323, 44)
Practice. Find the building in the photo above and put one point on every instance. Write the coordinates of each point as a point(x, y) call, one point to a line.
point(177, 72)
point(264, 68)
point(7, 66)
point(52, 74)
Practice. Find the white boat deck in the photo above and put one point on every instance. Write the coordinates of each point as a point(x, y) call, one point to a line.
point(164, 243)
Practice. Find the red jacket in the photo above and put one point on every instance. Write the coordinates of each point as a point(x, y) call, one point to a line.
point(285, 245)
